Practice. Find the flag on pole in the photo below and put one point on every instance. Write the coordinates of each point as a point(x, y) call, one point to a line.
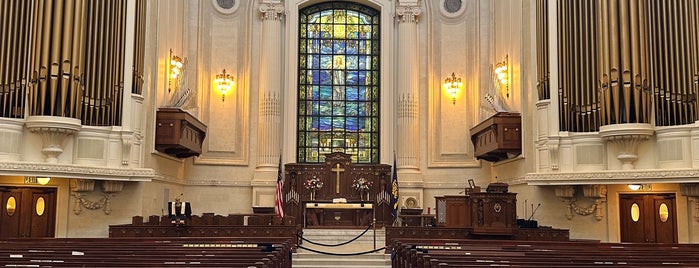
point(279, 202)
point(394, 190)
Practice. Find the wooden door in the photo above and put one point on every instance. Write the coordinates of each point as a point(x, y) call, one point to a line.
point(27, 212)
point(648, 218)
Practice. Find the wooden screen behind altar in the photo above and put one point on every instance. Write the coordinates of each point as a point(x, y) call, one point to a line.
point(338, 174)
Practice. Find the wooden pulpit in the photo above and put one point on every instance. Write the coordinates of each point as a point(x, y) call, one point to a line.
point(178, 133)
point(337, 174)
point(498, 138)
point(493, 212)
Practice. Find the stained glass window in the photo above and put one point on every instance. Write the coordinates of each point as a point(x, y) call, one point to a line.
point(338, 90)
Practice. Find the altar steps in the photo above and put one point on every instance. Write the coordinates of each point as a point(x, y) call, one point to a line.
point(308, 259)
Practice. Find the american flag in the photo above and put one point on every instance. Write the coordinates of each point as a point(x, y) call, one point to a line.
point(279, 202)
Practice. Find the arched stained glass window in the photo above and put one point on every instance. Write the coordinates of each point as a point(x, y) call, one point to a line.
point(338, 101)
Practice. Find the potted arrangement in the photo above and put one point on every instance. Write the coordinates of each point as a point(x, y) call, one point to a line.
point(362, 186)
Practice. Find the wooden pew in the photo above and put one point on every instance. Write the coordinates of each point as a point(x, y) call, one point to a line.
point(479, 253)
point(177, 252)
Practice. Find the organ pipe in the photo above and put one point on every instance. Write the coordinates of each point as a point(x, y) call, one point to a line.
point(14, 56)
point(542, 49)
point(578, 101)
point(622, 65)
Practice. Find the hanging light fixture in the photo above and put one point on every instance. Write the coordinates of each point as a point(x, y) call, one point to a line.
point(453, 85)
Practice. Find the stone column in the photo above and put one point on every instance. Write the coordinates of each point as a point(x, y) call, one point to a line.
point(269, 124)
point(407, 94)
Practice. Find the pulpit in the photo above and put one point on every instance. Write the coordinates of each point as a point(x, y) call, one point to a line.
point(339, 176)
point(498, 138)
point(178, 133)
point(486, 213)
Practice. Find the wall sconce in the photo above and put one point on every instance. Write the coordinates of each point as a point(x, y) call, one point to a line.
point(224, 83)
point(453, 85)
point(176, 64)
point(502, 73)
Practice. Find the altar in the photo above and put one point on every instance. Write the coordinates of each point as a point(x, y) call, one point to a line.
point(338, 177)
point(328, 214)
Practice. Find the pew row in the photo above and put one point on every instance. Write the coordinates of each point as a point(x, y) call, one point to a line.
point(145, 252)
point(418, 253)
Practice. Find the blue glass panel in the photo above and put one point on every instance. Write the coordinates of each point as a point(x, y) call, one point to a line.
point(326, 93)
point(315, 123)
point(352, 62)
point(362, 78)
point(362, 95)
point(363, 108)
point(325, 123)
point(339, 123)
point(352, 124)
point(338, 108)
point(325, 108)
point(339, 46)
point(314, 105)
point(326, 62)
point(315, 76)
point(325, 78)
point(352, 47)
point(351, 78)
point(313, 62)
point(362, 62)
point(315, 92)
point(351, 93)
point(326, 47)
point(352, 109)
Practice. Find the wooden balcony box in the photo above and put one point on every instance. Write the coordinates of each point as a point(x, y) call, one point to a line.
point(498, 138)
point(178, 133)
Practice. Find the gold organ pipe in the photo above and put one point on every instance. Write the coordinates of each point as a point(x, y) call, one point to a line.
point(65, 57)
point(55, 57)
point(603, 63)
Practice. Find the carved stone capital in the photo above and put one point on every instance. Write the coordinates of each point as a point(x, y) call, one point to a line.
point(271, 10)
point(408, 13)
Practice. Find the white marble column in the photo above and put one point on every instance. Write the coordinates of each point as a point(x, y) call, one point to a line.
point(407, 94)
point(269, 124)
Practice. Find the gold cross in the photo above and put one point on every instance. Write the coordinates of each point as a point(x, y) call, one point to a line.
point(337, 170)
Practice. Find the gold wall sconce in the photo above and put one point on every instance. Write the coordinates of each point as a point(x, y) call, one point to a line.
point(176, 64)
point(502, 73)
point(224, 83)
point(453, 85)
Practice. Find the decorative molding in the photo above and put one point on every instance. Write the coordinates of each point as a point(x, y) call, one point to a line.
point(76, 171)
point(408, 13)
point(80, 202)
point(552, 145)
point(271, 11)
point(54, 130)
point(614, 177)
point(596, 193)
point(627, 137)
point(80, 187)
